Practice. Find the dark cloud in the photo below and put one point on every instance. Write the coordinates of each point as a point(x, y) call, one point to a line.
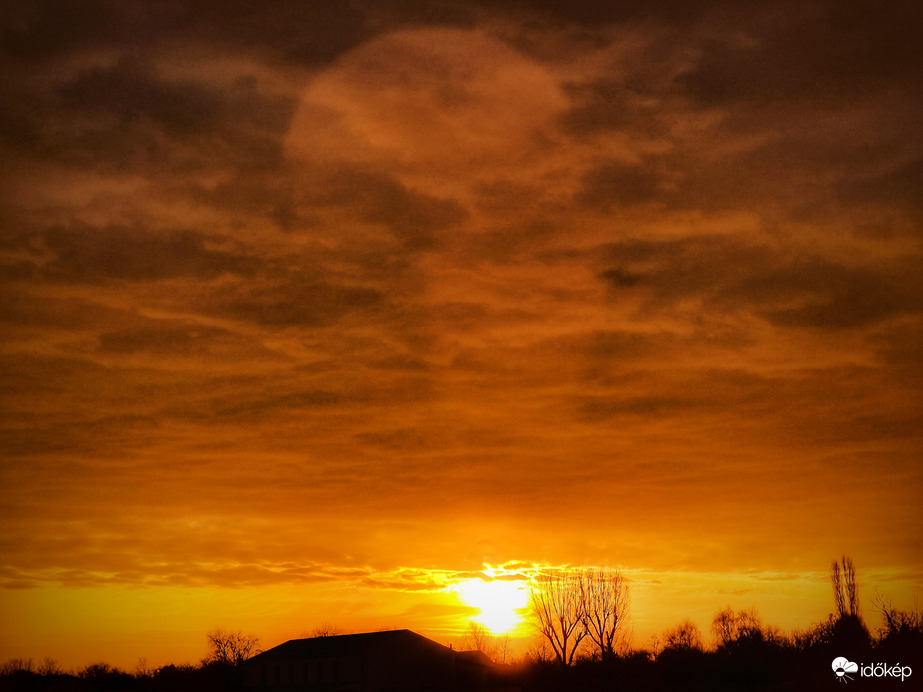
point(300, 33)
point(831, 296)
point(22, 307)
point(125, 253)
point(297, 302)
point(800, 291)
point(179, 338)
point(895, 188)
point(129, 116)
point(43, 29)
point(592, 13)
point(611, 104)
point(808, 53)
point(618, 184)
point(131, 92)
point(414, 217)
point(249, 409)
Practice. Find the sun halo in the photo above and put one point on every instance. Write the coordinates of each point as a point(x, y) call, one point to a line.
point(501, 603)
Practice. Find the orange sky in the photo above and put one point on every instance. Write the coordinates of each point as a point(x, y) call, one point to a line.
point(311, 311)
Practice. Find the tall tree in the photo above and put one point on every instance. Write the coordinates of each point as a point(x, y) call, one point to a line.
point(845, 590)
point(558, 607)
point(606, 608)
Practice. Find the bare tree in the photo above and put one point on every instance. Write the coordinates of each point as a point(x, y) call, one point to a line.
point(732, 628)
point(230, 648)
point(144, 669)
point(557, 605)
point(606, 608)
point(686, 636)
point(845, 590)
point(325, 629)
point(899, 627)
point(16, 665)
point(479, 638)
point(502, 651)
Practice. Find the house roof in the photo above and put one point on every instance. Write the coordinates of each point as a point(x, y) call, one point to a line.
point(345, 644)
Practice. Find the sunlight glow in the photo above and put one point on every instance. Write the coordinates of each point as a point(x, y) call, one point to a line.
point(501, 603)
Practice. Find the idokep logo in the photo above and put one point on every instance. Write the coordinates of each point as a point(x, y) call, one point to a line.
point(843, 667)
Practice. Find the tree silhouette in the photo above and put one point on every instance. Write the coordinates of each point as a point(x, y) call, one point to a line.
point(735, 629)
point(479, 638)
point(845, 590)
point(606, 603)
point(686, 636)
point(557, 604)
point(230, 648)
point(325, 629)
point(848, 628)
point(900, 629)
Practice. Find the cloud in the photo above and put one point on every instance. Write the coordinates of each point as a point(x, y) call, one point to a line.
point(789, 291)
point(618, 185)
point(178, 339)
point(432, 104)
point(297, 302)
point(45, 29)
point(414, 217)
point(85, 254)
point(806, 53)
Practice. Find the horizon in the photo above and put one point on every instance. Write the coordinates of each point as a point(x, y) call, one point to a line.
point(314, 311)
point(124, 649)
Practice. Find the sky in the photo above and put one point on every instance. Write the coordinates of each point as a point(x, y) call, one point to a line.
point(313, 311)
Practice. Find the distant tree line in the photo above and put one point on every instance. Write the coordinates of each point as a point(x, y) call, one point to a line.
point(582, 617)
point(747, 653)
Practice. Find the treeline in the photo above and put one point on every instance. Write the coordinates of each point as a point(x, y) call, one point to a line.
point(20, 675)
point(744, 653)
point(583, 618)
point(219, 670)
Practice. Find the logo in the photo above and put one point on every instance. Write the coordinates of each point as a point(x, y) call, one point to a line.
point(841, 667)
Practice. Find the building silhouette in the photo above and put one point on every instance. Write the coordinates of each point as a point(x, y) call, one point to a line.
point(369, 662)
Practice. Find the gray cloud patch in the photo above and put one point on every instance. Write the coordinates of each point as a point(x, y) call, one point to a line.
point(44, 28)
point(130, 92)
point(90, 254)
point(609, 104)
point(617, 184)
point(820, 50)
point(179, 338)
point(128, 116)
point(412, 216)
point(299, 302)
point(788, 291)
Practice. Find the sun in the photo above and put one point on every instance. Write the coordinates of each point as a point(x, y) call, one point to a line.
point(501, 603)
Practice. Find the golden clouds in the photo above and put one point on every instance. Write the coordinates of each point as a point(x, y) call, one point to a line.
point(326, 297)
